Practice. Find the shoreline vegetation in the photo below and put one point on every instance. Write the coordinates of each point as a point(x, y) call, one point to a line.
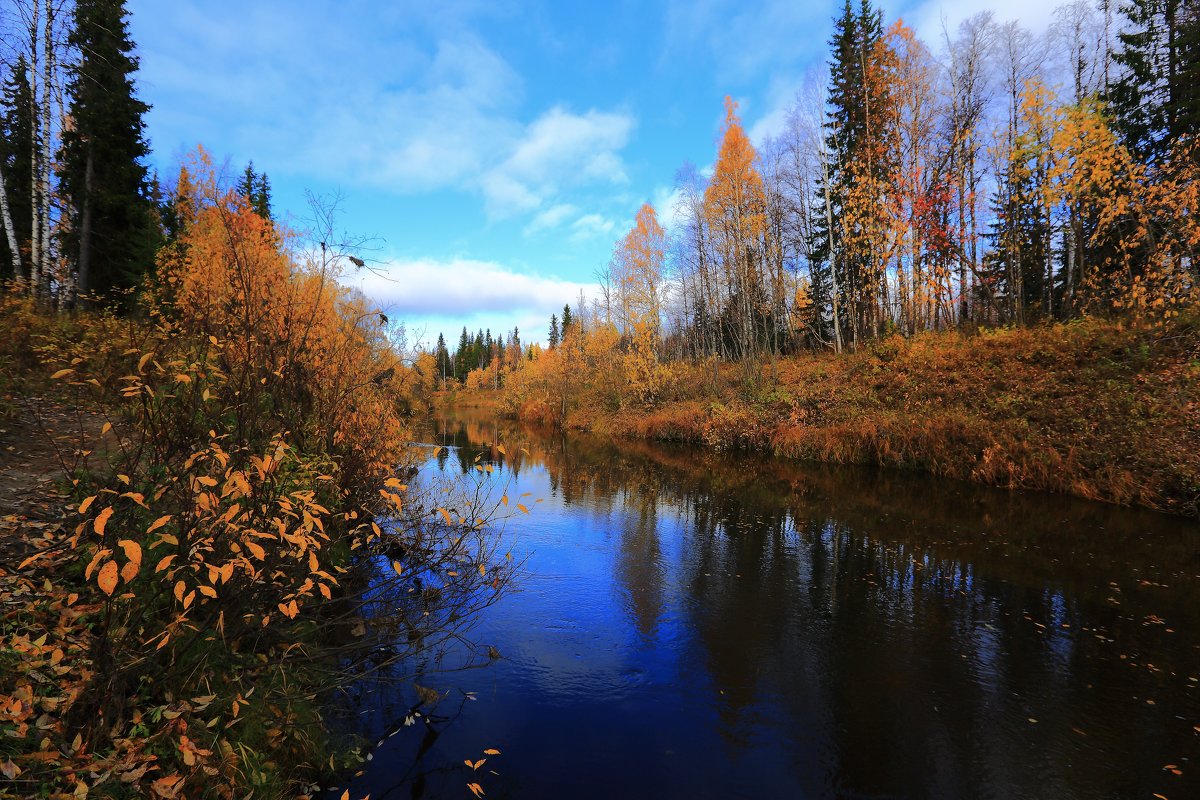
point(1092, 408)
point(216, 535)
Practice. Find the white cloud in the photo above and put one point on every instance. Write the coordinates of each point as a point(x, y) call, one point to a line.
point(434, 296)
point(550, 218)
point(558, 149)
point(591, 225)
point(402, 101)
point(424, 287)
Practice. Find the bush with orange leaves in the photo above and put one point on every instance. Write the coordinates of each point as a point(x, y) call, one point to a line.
point(252, 434)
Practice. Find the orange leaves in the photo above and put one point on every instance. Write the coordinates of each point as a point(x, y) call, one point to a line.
point(133, 554)
point(158, 523)
point(735, 200)
point(101, 521)
point(255, 549)
point(107, 577)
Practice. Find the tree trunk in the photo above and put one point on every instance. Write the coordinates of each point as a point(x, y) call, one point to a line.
point(35, 240)
point(10, 232)
point(44, 177)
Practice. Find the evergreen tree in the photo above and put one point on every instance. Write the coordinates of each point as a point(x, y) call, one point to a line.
point(462, 364)
point(852, 142)
point(1155, 97)
point(16, 145)
point(256, 188)
point(444, 367)
point(566, 319)
point(112, 232)
point(553, 339)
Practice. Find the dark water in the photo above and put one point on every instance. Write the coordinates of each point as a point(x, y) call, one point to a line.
point(697, 625)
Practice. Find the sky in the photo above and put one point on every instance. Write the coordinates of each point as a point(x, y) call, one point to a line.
point(489, 152)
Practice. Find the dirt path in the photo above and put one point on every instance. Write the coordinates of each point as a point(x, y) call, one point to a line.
point(39, 446)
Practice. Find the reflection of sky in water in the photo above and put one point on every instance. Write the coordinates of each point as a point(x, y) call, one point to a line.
point(702, 626)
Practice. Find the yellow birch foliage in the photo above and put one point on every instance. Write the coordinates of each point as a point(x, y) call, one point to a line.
point(1146, 231)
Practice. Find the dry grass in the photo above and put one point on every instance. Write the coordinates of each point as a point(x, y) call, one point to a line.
point(1089, 408)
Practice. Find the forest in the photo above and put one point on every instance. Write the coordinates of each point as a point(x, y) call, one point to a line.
point(992, 212)
point(974, 258)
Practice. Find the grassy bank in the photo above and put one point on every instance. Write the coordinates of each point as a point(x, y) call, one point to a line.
point(1090, 408)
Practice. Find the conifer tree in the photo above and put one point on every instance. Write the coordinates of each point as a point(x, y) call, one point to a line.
point(112, 233)
point(16, 147)
point(553, 338)
point(1155, 96)
point(256, 188)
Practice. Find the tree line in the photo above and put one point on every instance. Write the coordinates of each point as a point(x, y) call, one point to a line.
point(83, 215)
point(997, 178)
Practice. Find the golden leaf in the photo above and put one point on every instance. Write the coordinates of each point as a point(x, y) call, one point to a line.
point(62, 373)
point(107, 579)
point(102, 520)
point(158, 523)
point(133, 552)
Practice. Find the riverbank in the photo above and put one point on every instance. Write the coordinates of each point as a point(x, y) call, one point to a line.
point(190, 561)
point(1090, 408)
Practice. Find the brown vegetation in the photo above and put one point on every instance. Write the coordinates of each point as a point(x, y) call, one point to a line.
point(1090, 408)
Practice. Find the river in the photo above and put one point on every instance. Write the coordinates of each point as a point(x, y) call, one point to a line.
point(692, 624)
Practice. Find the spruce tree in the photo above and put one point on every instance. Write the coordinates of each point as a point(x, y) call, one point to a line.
point(443, 358)
point(256, 188)
point(462, 364)
point(553, 338)
point(566, 319)
point(16, 146)
point(1155, 96)
point(112, 232)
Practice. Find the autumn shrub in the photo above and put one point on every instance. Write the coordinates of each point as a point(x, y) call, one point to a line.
point(252, 437)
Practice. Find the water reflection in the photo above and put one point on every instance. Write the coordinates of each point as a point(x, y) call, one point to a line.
point(708, 625)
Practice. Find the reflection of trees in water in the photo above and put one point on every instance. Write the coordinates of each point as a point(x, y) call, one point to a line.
point(910, 626)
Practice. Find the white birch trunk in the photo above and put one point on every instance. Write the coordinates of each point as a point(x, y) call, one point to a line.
point(35, 241)
point(9, 231)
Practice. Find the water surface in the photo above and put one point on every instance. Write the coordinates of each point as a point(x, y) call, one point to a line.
point(694, 624)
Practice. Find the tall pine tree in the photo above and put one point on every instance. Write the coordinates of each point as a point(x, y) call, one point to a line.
point(112, 231)
point(16, 147)
point(256, 188)
point(1155, 97)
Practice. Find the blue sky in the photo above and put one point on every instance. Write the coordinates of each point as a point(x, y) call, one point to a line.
point(496, 149)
